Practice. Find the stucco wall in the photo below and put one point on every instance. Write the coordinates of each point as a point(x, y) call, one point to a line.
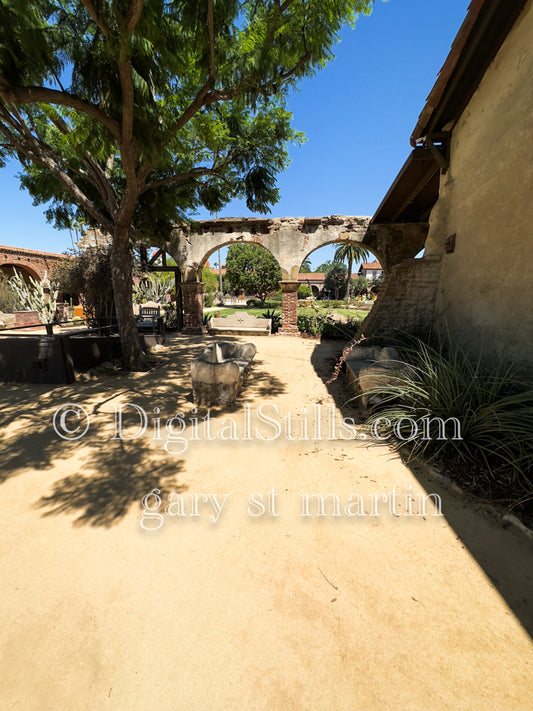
point(485, 293)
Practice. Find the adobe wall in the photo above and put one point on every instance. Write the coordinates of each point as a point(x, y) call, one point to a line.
point(486, 199)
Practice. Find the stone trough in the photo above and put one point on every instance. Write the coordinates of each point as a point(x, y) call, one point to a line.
point(220, 372)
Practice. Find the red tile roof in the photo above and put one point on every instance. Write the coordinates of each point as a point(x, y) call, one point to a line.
point(311, 276)
point(35, 252)
point(370, 265)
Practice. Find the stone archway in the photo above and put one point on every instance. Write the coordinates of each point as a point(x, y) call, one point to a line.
point(289, 240)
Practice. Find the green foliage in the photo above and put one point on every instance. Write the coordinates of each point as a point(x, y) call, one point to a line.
point(153, 286)
point(9, 302)
point(335, 281)
point(201, 85)
point(493, 406)
point(350, 252)
point(33, 297)
point(253, 270)
point(87, 272)
point(360, 286)
point(275, 317)
point(304, 291)
point(209, 300)
point(210, 280)
point(376, 284)
point(306, 266)
point(170, 316)
point(324, 267)
point(254, 303)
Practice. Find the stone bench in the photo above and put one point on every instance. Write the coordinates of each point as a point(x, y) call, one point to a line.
point(220, 372)
point(371, 367)
point(239, 324)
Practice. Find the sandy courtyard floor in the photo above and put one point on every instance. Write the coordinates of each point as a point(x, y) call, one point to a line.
point(231, 594)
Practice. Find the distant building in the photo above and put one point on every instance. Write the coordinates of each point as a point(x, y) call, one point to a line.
point(369, 270)
point(314, 280)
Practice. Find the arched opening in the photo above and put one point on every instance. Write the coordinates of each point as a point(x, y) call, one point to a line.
point(24, 271)
point(244, 270)
point(354, 271)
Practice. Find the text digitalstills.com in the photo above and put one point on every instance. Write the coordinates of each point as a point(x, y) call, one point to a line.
point(265, 423)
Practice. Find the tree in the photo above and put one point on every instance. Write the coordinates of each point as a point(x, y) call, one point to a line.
point(324, 268)
point(306, 266)
point(87, 272)
point(350, 252)
point(304, 291)
point(253, 270)
point(210, 280)
point(131, 114)
point(335, 281)
point(360, 285)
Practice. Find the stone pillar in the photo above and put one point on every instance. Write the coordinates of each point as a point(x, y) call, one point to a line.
point(193, 307)
point(289, 307)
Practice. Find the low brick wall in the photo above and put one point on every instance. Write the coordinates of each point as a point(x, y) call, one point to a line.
point(406, 299)
point(27, 318)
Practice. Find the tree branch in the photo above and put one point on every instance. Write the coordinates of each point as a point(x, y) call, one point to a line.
point(210, 26)
point(92, 12)
point(42, 95)
point(182, 178)
point(286, 5)
point(133, 15)
point(36, 155)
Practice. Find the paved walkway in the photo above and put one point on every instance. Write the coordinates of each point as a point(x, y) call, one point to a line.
point(236, 599)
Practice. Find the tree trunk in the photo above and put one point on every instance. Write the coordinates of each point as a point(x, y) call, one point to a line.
point(348, 280)
point(122, 277)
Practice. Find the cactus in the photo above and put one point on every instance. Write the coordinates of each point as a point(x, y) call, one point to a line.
point(152, 288)
point(34, 298)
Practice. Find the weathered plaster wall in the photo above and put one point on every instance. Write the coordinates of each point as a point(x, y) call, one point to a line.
point(486, 198)
point(291, 239)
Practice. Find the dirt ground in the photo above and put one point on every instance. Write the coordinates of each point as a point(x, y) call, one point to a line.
point(231, 594)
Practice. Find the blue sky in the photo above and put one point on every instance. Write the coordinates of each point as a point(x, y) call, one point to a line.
point(357, 114)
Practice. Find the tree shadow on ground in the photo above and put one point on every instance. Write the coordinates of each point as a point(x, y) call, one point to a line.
point(108, 475)
point(503, 554)
point(122, 476)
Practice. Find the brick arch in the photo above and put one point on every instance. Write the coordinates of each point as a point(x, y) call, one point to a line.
point(33, 262)
point(24, 270)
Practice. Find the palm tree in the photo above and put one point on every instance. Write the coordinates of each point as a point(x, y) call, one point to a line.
point(350, 252)
point(305, 267)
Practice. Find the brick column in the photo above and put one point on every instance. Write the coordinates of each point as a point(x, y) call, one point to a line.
point(193, 307)
point(289, 307)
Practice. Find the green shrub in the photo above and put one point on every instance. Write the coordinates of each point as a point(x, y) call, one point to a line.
point(304, 291)
point(346, 331)
point(313, 324)
point(275, 316)
point(209, 300)
point(493, 406)
point(254, 302)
